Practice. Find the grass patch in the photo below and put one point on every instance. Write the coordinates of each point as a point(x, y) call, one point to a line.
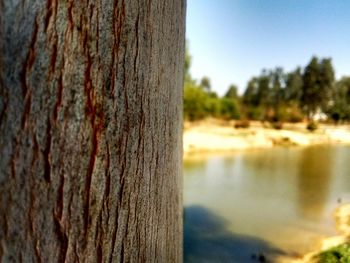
point(336, 254)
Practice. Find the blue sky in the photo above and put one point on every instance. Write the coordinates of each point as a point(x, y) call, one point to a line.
point(232, 40)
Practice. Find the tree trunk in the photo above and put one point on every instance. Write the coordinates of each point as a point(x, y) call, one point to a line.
point(91, 130)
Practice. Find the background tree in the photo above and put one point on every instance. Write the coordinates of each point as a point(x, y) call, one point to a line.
point(251, 100)
point(327, 78)
point(250, 97)
point(90, 130)
point(229, 109)
point(205, 84)
point(294, 84)
point(277, 93)
point(317, 87)
point(340, 108)
point(232, 92)
point(195, 98)
point(263, 92)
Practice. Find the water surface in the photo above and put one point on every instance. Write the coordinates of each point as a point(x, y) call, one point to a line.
point(265, 202)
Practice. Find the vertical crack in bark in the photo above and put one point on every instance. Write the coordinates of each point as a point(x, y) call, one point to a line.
point(89, 111)
point(59, 96)
point(89, 175)
point(63, 239)
point(114, 235)
point(26, 110)
point(137, 46)
point(28, 63)
point(99, 251)
point(70, 14)
point(31, 214)
point(49, 11)
point(122, 162)
point(121, 146)
point(108, 182)
point(13, 163)
point(99, 234)
point(4, 98)
point(35, 149)
point(94, 112)
point(60, 199)
point(53, 57)
point(46, 153)
point(97, 30)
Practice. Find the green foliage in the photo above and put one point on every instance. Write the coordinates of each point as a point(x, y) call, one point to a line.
point(195, 102)
point(277, 93)
point(205, 84)
point(263, 91)
point(254, 113)
point(264, 95)
point(338, 254)
point(232, 93)
point(229, 109)
point(194, 97)
point(340, 108)
point(294, 114)
point(277, 96)
point(318, 80)
point(213, 107)
point(199, 101)
point(293, 89)
point(250, 96)
point(199, 104)
point(251, 100)
point(273, 96)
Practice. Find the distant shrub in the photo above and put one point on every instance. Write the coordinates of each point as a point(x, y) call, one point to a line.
point(278, 125)
point(295, 117)
point(242, 124)
point(194, 104)
point(312, 126)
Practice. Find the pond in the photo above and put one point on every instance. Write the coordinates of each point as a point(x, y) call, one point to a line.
point(262, 204)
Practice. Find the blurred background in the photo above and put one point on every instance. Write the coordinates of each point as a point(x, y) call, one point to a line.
point(266, 131)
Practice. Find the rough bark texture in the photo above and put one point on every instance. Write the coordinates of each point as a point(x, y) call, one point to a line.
point(90, 130)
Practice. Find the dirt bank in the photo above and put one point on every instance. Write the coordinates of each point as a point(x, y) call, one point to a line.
point(214, 135)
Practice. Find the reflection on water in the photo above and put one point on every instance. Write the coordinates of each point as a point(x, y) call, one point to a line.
point(282, 197)
point(314, 179)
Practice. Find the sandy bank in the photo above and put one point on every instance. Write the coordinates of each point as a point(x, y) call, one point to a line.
point(213, 135)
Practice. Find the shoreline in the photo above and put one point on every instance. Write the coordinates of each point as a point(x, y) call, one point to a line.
point(215, 136)
point(341, 217)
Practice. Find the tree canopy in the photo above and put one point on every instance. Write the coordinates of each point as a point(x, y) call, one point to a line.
point(274, 95)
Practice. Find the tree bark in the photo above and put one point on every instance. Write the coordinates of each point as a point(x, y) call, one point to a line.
point(91, 130)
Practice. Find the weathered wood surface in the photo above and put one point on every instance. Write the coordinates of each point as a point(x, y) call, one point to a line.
point(90, 130)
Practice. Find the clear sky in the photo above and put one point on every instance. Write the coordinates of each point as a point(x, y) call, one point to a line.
point(232, 40)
